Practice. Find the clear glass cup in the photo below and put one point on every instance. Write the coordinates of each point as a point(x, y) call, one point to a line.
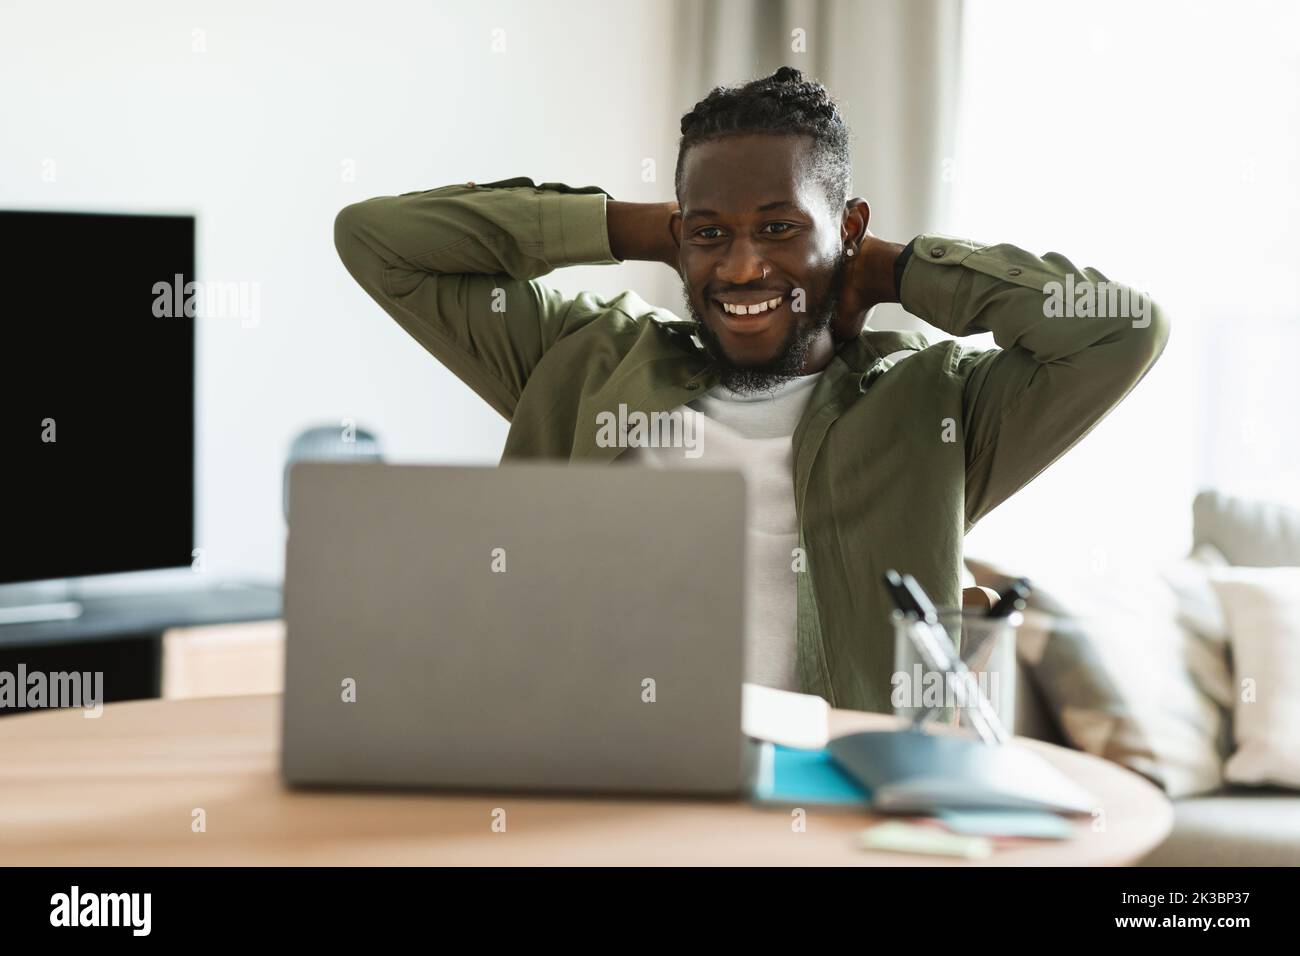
point(987, 645)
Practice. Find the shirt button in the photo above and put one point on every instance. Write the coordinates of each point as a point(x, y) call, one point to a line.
point(1013, 272)
point(937, 252)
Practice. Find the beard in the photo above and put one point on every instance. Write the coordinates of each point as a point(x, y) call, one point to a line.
point(789, 360)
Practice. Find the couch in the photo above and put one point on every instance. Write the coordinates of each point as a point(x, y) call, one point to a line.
point(1236, 826)
point(1233, 825)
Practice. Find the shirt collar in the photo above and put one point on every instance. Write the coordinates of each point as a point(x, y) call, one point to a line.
point(860, 355)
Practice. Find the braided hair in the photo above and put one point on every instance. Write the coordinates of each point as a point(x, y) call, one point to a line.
point(783, 103)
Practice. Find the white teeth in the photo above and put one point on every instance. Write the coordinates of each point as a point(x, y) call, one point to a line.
point(753, 309)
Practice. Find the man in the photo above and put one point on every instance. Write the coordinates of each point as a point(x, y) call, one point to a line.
point(855, 461)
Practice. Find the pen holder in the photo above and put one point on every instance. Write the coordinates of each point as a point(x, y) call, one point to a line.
point(987, 646)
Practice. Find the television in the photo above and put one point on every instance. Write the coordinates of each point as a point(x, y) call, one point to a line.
point(96, 394)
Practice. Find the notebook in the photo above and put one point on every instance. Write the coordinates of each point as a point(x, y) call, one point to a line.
point(805, 778)
point(902, 771)
point(908, 771)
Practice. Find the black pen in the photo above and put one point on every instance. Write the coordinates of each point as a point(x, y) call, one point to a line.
point(1014, 599)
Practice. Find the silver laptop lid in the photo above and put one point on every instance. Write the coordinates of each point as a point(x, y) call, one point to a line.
point(533, 626)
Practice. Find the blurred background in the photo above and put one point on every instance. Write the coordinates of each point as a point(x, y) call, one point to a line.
point(1157, 142)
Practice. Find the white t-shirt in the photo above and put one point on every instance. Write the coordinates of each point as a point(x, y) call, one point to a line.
point(751, 433)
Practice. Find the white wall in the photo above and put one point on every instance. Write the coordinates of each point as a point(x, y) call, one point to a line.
point(252, 134)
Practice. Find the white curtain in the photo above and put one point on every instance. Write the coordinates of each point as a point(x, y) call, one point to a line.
point(1160, 143)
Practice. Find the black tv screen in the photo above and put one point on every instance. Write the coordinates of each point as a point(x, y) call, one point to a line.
point(96, 394)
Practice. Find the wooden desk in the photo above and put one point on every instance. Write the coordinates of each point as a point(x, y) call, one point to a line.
point(121, 790)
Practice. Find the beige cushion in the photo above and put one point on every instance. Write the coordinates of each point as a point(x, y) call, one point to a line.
point(1119, 673)
point(1262, 608)
point(1199, 610)
point(1249, 533)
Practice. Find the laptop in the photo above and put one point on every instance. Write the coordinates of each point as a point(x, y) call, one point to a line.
point(532, 627)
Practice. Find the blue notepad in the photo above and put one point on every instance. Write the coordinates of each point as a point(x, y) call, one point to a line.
point(793, 777)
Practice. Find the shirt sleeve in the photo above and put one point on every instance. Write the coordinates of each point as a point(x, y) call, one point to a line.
point(1063, 361)
point(457, 266)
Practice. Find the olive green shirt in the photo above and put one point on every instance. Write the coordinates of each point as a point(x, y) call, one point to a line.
point(893, 461)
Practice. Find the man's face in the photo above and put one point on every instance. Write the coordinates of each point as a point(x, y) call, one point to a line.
point(756, 228)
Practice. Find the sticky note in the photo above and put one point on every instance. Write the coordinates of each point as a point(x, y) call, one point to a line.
point(899, 837)
point(1008, 823)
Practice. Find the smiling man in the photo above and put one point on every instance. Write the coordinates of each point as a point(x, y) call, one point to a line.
point(855, 460)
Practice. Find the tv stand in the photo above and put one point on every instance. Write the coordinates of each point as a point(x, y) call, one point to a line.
point(120, 634)
point(36, 613)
